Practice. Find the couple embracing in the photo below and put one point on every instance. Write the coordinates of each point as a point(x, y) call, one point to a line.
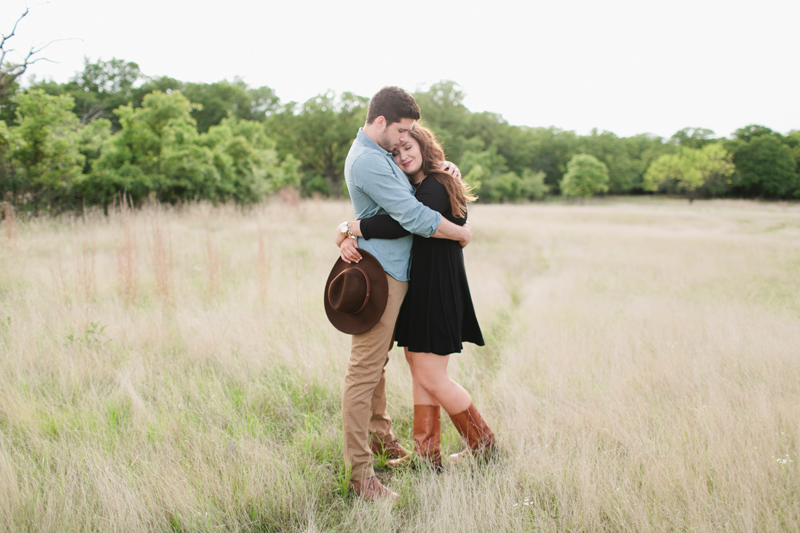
point(408, 202)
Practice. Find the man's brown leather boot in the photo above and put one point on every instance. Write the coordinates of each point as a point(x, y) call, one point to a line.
point(393, 449)
point(371, 489)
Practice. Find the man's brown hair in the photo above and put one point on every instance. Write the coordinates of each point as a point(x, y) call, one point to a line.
point(393, 104)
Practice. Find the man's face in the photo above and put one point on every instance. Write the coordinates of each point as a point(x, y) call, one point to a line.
point(395, 133)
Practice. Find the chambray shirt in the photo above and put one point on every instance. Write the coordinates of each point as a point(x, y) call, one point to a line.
point(377, 186)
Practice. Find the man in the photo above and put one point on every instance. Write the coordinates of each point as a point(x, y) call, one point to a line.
point(378, 186)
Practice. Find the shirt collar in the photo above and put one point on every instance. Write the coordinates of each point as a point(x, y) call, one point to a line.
point(369, 143)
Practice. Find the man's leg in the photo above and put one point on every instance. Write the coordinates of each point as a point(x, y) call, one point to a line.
point(368, 356)
point(380, 423)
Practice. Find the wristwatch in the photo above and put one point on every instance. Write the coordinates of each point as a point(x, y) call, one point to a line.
point(344, 227)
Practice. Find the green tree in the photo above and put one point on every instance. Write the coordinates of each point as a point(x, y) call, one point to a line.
point(480, 168)
point(442, 109)
point(8, 181)
point(91, 139)
point(750, 132)
point(544, 149)
point(693, 137)
point(319, 135)
point(163, 84)
point(691, 172)
point(45, 151)
point(156, 150)
point(216, 101)
point(585, 177)
point(624, 172)
point(488, 173)
point(8, 107)
point(102, 87)
point(247, 162)
point(792, 140)
point(766, 167)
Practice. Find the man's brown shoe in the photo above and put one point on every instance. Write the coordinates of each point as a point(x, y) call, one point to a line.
point(393, 449)
point(371, 489)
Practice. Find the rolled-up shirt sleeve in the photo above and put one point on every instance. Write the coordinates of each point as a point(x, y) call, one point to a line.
point(394, 197)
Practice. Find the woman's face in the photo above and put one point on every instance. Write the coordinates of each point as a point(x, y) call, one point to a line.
point(408, 156)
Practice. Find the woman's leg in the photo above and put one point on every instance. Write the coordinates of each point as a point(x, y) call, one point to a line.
point(421, 396)
point(430, 371)
point(427, 428)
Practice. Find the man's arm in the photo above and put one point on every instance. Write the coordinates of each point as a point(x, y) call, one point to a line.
point(402, 205)
point(375, 178)
point(454, 232)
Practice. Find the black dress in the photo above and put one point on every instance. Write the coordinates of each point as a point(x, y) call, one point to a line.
point(437, 314)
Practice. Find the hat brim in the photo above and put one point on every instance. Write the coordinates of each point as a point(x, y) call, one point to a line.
point(364, 320)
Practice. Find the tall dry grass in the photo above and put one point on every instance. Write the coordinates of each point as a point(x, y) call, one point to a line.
point(10, 222)
point(642, 373)
point(126, 253)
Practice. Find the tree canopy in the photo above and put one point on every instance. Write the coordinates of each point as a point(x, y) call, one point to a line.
point(113, 130)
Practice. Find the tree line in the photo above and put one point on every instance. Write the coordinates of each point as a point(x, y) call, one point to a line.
point(111, 130)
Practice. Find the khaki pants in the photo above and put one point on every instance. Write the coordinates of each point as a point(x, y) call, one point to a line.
point(364, 396)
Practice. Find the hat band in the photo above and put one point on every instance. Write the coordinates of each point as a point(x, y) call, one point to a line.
point(366, 298)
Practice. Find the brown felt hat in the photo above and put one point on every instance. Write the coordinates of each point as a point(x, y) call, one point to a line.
point(356, 294)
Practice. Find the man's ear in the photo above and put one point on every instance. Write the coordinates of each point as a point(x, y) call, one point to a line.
point(380, 122)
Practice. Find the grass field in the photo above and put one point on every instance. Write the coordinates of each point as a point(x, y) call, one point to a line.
point(175, 371)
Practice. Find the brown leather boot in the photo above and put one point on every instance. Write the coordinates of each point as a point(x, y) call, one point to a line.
point(392, 449)
point(428, 433)
point(427, 436)
point(474, 431)
point(371, 489)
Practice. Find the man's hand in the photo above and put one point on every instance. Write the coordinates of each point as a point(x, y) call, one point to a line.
point(451, 169)
point(467, 237)
point(348, 250)
point(454, 232)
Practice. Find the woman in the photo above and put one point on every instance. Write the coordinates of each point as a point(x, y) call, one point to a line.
point(437, 313)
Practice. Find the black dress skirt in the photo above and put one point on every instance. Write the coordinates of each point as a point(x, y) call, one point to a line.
point(437, 315)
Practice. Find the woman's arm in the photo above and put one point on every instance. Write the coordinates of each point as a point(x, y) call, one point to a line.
point(379, 227)
point(375, 227)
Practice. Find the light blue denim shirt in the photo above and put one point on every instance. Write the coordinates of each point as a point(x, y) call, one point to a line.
point(377, 186)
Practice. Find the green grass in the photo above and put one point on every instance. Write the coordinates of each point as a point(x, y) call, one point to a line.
point(641, 374)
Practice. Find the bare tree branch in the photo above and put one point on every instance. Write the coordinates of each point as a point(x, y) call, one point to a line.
point(9, 72)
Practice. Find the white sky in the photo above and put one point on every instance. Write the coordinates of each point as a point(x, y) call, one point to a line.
point(626, 66)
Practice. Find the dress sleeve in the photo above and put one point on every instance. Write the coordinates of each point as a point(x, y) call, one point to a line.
point(382, 227)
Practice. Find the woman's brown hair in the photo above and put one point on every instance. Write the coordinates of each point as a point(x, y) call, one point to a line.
point(432, 157)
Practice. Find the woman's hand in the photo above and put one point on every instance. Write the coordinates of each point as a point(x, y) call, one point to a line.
point(465, 241)
point(338, 237)
point(348, 251)
point(451, 169)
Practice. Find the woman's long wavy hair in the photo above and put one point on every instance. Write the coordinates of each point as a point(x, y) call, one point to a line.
point(432, 157)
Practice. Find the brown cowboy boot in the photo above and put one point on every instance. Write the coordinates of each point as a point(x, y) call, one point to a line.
point(393, 449)
point(371, 489)
point(474, 431)
point(427, 436)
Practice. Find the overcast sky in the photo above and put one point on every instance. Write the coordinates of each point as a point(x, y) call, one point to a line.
point(626, 66)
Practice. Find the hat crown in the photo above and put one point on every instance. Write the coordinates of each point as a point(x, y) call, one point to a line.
point(349, 291)
point(356, 294)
